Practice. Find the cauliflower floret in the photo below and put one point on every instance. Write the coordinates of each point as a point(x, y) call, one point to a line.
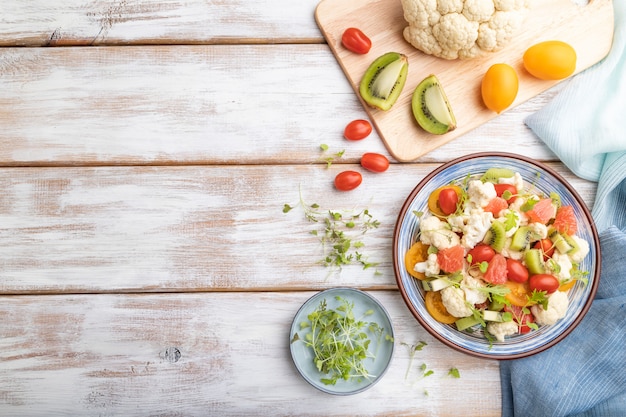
point(458, 222)
point(499, 30)
point(538, 231)
point(500, 330)
point(472, 294)
point(437, 233)
point(563, 270)
point(430, 267)
point(479, 10)
point(454, 33)
point(557, 307)
point(480, 193)
point(463, 29)
point(477, 225)
point(454, 301)
point(583, 250)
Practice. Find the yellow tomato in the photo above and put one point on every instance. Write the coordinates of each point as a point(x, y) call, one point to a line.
point(518, 294)
point(435, 307)
point(499, 87)
point(550, 60)
point(433, 199)
point(566, 286)
point(417, 253)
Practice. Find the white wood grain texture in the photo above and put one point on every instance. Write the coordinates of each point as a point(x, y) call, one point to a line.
point(200, 104)
point(105, 355)
point(103, 229)
point(99, 22)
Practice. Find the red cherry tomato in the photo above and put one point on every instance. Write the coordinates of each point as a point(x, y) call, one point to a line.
point(348, 180)
point(516, 271)
point(544, 282)
point(357, 130)
point(448, 199)
point(374, 162)
point(501, 188)
point(481, 253)
point(546, 246)
point(522, 319)
point(356, 41)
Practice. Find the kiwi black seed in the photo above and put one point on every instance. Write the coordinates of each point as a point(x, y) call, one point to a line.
point(493, 174)
point(384, 80)
point(496, 236)
point(431, 107)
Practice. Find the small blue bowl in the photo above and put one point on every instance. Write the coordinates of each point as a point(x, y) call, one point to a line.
point(302, 355)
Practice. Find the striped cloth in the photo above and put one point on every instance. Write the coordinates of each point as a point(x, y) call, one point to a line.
point(585, 375)
point(584, 127)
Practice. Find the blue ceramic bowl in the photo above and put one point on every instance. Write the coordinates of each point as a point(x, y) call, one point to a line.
point(544, 179)
point(302, 355)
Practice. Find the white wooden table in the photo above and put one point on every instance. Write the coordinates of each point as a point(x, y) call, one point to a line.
point(146, 266)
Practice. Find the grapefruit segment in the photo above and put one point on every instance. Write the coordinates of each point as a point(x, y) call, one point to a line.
point(496, 205)
point(451, 259)
point(542, 211)
point(565, 220)
point(496, 271)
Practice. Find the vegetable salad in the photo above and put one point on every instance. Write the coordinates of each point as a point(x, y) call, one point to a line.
point(495, 254)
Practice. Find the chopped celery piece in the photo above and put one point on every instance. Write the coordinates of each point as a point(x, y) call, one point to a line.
point(436, 284)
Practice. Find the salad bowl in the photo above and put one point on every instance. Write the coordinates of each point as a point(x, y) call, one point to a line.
point(544, 180)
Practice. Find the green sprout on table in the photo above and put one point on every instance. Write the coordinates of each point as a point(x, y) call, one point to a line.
point(341, 233)
point(330, 159)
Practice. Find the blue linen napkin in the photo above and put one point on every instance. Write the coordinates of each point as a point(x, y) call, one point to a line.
point(585, 374)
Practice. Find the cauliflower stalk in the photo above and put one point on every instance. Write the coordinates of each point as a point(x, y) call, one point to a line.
point(453, 29)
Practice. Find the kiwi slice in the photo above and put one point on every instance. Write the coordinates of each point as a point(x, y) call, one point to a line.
point(383, 81)
point(563, 242)
point(493, 174)
point(521, 238)
point(575, 247)
point(533, 258)
point(431, 107)
point(496, 236)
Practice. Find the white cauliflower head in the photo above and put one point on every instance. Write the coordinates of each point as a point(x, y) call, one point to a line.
point(463, 29)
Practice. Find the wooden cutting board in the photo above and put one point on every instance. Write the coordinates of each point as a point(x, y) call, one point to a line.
point(588, 28)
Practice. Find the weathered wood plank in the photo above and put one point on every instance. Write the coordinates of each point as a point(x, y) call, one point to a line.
point(199, 104)
point(104, 229)
point(203, 354)
point(111, 22)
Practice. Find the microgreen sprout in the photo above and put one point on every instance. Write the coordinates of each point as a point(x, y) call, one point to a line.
point(454, 373)
point(425, 371)
point(330, 158)
point(340, 232)
point(340, 342)
point(412, 350)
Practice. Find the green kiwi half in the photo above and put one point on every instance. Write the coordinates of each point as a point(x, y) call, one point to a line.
point(431, 107)
point(384, 80)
